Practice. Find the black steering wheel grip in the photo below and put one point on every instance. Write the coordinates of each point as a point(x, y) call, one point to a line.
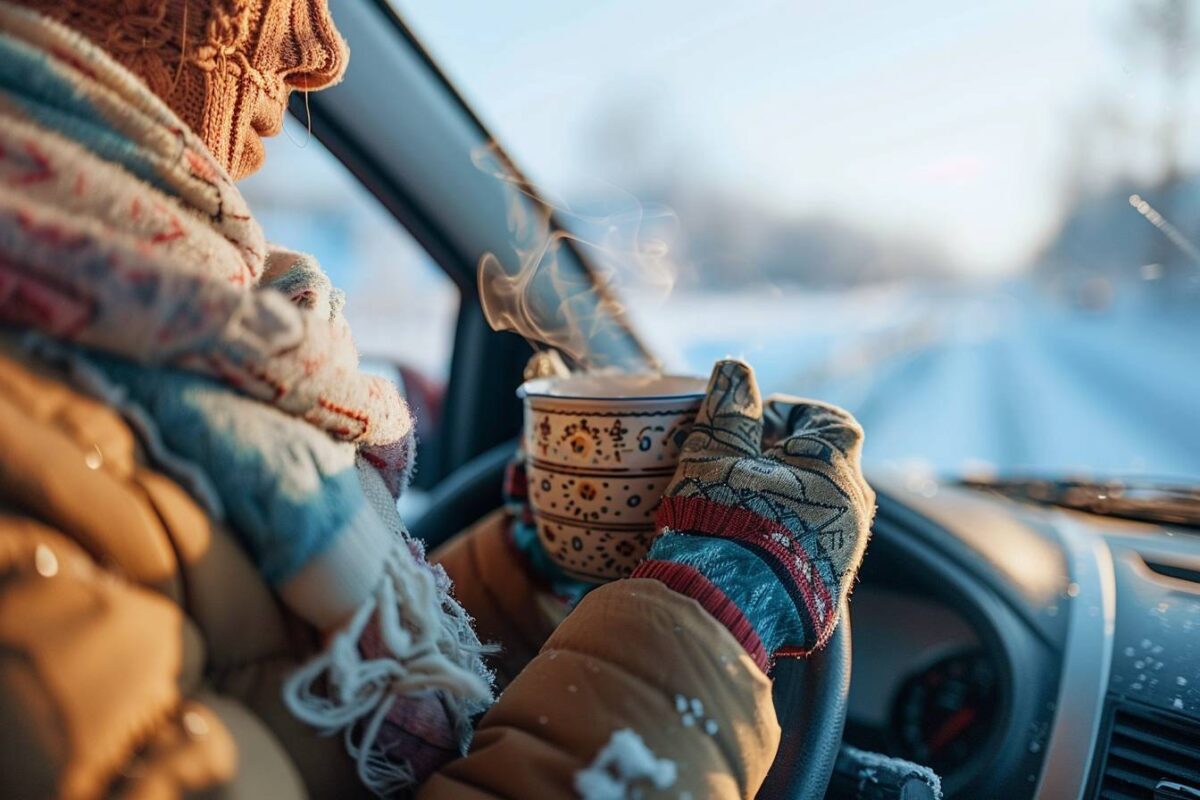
point(810, 701)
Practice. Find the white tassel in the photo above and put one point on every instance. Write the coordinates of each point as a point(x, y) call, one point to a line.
point(430, 645)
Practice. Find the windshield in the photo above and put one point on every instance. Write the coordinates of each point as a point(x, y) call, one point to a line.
point(975, 225)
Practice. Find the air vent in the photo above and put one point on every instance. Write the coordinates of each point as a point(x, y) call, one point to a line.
point(1146, 748)
point(1173, 571)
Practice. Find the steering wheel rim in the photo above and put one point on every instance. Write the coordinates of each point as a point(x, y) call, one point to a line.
point(810, 697)
point(810, 694)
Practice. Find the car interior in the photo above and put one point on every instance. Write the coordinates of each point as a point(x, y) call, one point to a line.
point(1020, 641)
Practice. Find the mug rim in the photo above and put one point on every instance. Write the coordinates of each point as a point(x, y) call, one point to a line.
point(541, 388)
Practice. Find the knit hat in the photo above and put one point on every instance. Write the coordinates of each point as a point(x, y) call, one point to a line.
point(224, 66)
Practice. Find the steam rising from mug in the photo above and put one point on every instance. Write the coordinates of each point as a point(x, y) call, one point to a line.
point(561, 291)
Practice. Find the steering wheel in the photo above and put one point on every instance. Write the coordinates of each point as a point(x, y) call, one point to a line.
point(810, 694)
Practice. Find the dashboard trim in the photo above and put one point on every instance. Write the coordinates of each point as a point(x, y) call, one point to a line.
point(1087, 661)
point(914, 551)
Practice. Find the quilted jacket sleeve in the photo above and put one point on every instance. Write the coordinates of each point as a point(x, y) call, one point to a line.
point(104, 686)
point(93, 680)
point(634, 655)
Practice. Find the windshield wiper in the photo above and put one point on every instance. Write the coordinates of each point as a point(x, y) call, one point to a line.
point(1147, 502)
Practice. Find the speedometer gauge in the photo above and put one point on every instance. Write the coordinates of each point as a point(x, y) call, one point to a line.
point(942, 715)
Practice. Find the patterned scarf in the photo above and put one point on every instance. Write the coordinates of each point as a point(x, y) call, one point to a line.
point(130, 258)
point(128, 237)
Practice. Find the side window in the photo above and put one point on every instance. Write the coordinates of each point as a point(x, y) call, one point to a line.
point(400, 305)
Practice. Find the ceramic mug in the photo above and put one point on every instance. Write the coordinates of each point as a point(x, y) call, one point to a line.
point(600, 450)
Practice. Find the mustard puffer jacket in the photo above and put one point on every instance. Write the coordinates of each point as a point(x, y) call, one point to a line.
point(141, 655)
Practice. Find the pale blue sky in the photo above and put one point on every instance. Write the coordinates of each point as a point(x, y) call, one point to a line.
point(943, 119)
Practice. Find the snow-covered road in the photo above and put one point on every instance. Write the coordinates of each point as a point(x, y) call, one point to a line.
point(1004, 377)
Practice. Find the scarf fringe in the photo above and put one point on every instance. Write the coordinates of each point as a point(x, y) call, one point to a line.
point(340, 690)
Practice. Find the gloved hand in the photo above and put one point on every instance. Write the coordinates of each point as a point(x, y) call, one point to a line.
point(766, 520)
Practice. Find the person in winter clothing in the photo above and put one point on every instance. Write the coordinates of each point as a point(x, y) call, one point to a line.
point(207, 586)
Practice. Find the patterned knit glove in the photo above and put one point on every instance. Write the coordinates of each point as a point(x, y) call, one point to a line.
point(766, 521)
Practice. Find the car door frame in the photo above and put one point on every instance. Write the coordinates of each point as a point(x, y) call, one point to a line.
point(398, 124)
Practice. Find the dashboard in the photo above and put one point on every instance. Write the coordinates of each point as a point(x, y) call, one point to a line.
point(923, 686)
point(1024, 651)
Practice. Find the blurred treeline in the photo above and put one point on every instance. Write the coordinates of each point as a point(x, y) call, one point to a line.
point(1114, 146)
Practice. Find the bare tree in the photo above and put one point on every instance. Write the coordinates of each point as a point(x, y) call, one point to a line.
point(1165, 31)
point(1093, 132)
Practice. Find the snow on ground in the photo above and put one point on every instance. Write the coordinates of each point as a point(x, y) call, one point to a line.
point(951, 379)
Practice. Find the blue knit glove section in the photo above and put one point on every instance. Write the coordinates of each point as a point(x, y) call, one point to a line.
point(743, 577)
